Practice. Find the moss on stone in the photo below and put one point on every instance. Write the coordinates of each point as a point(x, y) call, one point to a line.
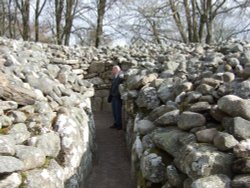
point(24, 177)
point(141, 182)
point(4, 130)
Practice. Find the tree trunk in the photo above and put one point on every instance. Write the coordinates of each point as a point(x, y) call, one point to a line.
point(59, 5)
point(26, 16)
point(10, 19)
point(189, 21)
point(70, 13)
point(195, 26)
point(209, 33)
point(100, 17)
point(37, 21)
point(209, 22)
point(156, 33)
point(3, 15)
point(38, 11)
point(178, 23)
point(24, 9)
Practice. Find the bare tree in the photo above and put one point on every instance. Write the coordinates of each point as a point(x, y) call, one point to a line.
point(24, 8)
point(38, 10)
point(2, 17)
point(100, 17)
point(71, 10)
point(59, 6)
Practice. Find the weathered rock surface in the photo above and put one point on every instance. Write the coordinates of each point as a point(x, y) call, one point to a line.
point(36, 89)
point(185, 105)
point(199, 102)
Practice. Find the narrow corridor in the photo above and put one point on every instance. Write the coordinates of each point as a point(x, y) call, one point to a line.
point(111, 164)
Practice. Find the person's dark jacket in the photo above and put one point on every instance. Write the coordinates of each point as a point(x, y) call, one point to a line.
point(114, 90)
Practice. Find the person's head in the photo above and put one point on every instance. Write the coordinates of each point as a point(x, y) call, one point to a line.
point(115, 70)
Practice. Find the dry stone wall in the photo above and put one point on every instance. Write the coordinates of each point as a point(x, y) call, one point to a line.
point(46, 122)
point(186, 113)
point(188, 116)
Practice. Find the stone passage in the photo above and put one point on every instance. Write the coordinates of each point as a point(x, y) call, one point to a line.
point(111, 165)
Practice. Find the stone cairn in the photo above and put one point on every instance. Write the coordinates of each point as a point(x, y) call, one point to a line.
point(46, 121)
point(187, 114)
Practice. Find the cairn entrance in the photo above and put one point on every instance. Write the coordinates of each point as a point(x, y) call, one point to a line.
point(111, 163)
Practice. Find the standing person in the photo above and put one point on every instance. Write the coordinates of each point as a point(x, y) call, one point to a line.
point(115, 97)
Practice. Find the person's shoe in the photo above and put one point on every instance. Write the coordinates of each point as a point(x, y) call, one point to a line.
point(112, 127)
point(119, 128)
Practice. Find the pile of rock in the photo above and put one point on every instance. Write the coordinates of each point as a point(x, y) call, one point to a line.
point(188, 116)
point(46, 122)
point(186, 106)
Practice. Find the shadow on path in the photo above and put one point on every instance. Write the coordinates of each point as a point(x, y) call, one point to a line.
point(111, 164)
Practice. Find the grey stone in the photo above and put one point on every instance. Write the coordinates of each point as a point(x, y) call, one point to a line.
point(183, 87)
point(159, 111)
point(205, 89)
point(10, 164)
point(171, 65)
point(40, 178)
point(147, 142)
point(193, 96)
point(206, 135)
point(53, 70)
point(145, 126)
point(242, 149)
point(5, 121)
point(174, 177)
point(188, 120)
point(13, 180)
point(18, 116)
point(199, 160)
point(200, 107)
point(43, 83)
point(32, 157)
point(19, 132)
point(207, 98)
point(228, 77)
point(165, 93)
point(152, 168)
point(169, 118)
point(217, 114)
point(241, 181)
point(135, 82)
point(215, 181)
point(238, 127)
point(49, 143)
point(172, 140)
point(148, 98)
point(211, 82)
point(240, 106)
point(7, 145)
point(241, 166)
point(224, 141)
point(149, 78)
point(8, 105)
point(241, 89)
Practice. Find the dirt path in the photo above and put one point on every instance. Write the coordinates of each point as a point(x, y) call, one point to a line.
point(111, 165)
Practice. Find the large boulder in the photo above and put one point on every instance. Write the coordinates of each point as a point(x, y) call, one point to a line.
point(215, 181)
point(240, 106)
point(203, 160)
point(172, 140)
point(152, 168)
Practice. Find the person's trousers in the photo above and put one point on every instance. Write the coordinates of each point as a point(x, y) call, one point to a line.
point(117, 111)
